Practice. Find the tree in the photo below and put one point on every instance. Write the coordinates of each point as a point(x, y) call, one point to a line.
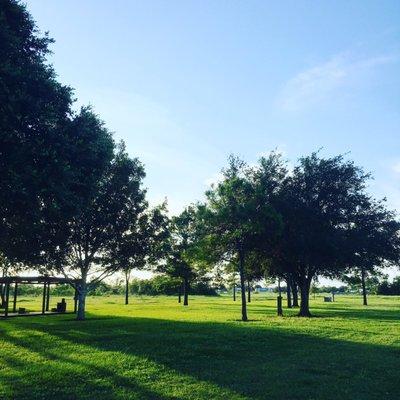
point(219, 280)
point(387, 288)
point(180, 249)
point(111, 206)
point(140, 245)
point(375, 240)
point(234, 220)
point(232, 278)
point(268, 177)
point(295, 295)
point(36, 151)
point(318, 202)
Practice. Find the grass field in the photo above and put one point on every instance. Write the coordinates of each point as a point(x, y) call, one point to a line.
point(157, 349)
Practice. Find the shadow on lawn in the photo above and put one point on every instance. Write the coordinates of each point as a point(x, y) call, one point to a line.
point(365, 313)
point(93, 360)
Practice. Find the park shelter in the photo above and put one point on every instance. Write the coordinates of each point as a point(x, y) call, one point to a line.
point(45, 282)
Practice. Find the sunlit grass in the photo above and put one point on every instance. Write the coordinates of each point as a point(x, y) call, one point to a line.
point(157, 349)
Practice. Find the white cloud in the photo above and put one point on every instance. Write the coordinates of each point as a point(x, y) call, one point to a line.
point(320, 82)
point(396, 167)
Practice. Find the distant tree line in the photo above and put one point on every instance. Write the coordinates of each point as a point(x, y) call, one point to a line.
point(155, 286)
point(387, 288)
point(72, 201)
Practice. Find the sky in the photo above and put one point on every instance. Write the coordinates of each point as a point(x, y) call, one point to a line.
point(186, 83)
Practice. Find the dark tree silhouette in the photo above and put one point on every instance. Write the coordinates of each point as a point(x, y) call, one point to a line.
point(318, 203)
point(37, 154)
point(375, 241)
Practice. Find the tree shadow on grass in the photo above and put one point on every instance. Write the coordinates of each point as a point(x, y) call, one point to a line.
point(54, 374)
point(143, 358)
point(360, 314)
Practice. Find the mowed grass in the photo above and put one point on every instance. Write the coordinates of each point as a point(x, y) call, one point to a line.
point(155, 348)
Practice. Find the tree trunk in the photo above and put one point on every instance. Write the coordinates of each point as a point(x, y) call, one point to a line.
point(126, 288)
point(288, 291)
point(185, 292)
point(82, 291)
point(234, 292)
point(364, 290)
point(242, 286)
point(279, 310)
point(248, 292)
point(295, 293)
point(180, 293)
point(304, 296)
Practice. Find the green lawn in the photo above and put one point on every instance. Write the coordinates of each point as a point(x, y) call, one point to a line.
point(157, 349)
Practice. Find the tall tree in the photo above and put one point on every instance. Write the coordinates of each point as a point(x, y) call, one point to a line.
point(139, 246)
point(111, 207)
point(235, 221)
point(36, 151)
point(318, 202)
point(180, 248)
point(375, 241)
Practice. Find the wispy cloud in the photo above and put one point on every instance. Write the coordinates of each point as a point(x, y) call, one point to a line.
point(320, 82)
point(396, 167)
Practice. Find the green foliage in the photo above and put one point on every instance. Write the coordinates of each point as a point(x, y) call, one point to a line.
point(62, 290)
point(157, 285)
point(355, 282)
point(141, 244)
point(115, 202)
point(238, 221)
point(387, 288)
point(182, 251)
point(66, 190)
point(165, 285)
point(36, 182)
point(330, 289)
point(321, 203)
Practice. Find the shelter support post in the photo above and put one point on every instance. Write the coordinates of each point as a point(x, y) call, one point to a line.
point(48, 297)
point(44, 298)
point(15, 297)
point(7, 299)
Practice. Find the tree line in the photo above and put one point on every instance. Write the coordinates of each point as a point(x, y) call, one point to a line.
point(72, 200)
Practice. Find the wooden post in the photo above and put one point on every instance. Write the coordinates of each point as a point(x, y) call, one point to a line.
point(48, 296)
point(15, 297)
point(7, 299)
point(44, 298)
point(279, 306)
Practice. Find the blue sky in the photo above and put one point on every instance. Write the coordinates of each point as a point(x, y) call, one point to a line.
point(185, 83)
